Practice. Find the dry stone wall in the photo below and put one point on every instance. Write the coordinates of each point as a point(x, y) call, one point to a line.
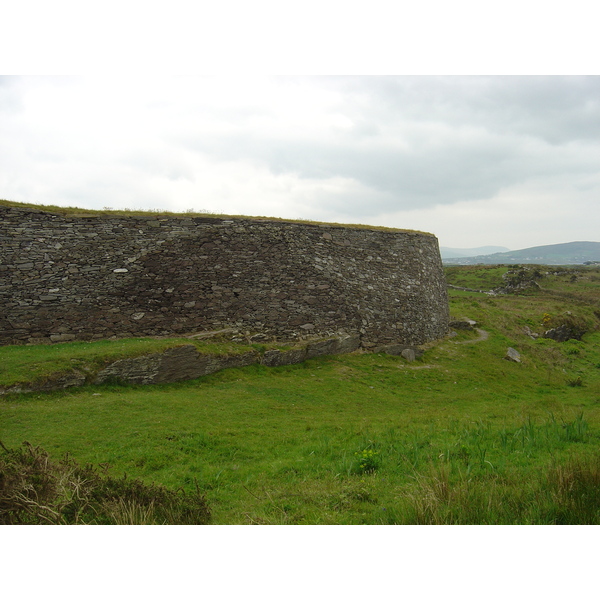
point(82, 278)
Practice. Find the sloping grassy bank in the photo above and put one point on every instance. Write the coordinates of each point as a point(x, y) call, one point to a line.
point(36, 365)
point(459, 436)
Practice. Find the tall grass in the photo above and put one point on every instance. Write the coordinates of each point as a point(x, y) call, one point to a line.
point(565, 494)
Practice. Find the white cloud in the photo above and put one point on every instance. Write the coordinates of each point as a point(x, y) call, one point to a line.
point(506, 161)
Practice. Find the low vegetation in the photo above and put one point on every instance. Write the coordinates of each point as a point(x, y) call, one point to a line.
point(459, 436)
point(36, 490)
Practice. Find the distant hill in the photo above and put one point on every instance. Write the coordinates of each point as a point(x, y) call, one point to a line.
point(462, 252)
point(571, 253)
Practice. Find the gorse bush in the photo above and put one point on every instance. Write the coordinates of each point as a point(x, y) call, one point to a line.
point(35, 490)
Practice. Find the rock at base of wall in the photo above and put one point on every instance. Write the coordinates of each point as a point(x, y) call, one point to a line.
point(408, 354)
point(278, 358)
point(175, 364)
point(400, 350)
point(185, 362)
point(342, 345)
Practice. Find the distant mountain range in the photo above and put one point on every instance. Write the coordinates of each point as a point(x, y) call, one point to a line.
point(571, 253)
point(462, 252)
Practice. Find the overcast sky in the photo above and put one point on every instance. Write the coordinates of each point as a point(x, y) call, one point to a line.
point(510, 161)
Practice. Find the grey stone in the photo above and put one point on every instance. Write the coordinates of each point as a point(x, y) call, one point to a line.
point(527, 331)
point(513, 355)
point(408, 354)
point(259, 337)
point(398, 349)
point(343, 345)
point(63, 337)
point(562, 333)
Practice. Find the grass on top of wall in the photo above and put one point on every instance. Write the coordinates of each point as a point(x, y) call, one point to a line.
point(71, 211)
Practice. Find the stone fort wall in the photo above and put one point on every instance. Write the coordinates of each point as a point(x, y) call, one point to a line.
point(72, 277)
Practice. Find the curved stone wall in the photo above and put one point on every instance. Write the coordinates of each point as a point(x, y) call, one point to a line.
point(71, 277)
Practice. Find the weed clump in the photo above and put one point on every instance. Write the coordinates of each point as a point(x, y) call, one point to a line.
point(35, 490)
point(368, 461)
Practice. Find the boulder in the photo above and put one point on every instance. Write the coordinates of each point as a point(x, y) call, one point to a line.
point(513, 355)
point(408, 354)
point(562, 333)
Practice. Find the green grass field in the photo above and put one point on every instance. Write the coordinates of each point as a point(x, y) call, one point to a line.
point(459, 436)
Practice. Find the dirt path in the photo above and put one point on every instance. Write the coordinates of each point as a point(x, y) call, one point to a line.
point(483, 335)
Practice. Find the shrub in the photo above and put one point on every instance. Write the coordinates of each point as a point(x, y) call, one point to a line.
point(35, 490)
